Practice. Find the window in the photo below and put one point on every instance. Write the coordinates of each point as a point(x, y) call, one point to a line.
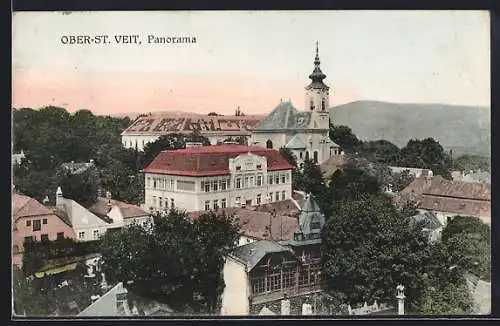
point(288, 278)
point(283, 178)
point(277, 195)
point(315, 155)
point(259, 167)
point(274, 282)
point(301, 155)
point(311, 105)
point(149, 181)
point(270, 180)
point(307, 155)
point(37, 226)
point(154, 201)
point(172, 203)
point(216, 204)
point(60, 235)
point(206, 186)
point(154, 183)
point(44, 237)
point(215, 185)
point(238, 168)
point(81, 235)
point(246, 185)
point(160, 200)
point(44, 221)
point(166, 203)
point(28, 239)
point(277, 180)
point(259, 181)
point(238, 200)
point(207, 205)
point(258, 285)
point(28, 223)
point(270, 196)
point(223, 203)
point(315, 225)
point(251, 182)
point(269, 143)
point(223, 185)
point(259, 199)
point(323, 105)
point(96, 234)
point(238, 183)
point(283, 195)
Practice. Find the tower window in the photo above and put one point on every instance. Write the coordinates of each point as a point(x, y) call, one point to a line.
point(323, 105)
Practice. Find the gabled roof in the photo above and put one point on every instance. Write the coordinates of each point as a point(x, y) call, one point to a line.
point(23, 206)
point(101, 208)
point(296, 143)
point(211, 160)
point(252, 253)
point(285, 117)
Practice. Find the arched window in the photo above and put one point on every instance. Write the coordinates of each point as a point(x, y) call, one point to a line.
point(307, 155)
point(269, 143)
point(323, 105)
point(315, 156)
point(311, 104)
point(301, 156)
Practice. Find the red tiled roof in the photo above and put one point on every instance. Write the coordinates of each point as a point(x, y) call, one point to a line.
point(185, 123)
point(100, 208)
point(23, 206)
point(210, 160)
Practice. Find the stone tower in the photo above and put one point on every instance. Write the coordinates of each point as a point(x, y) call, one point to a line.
point(317, 97)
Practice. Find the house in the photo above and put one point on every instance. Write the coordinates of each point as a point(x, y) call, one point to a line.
point(304, 133)
point(32, 221)
point(429, 224)
point(264, 272)
point(118, 302)
point(217, 176)
point(148, 129)
point(447, 199)
point(415, 172)
point(89, 223)
point(471, 176)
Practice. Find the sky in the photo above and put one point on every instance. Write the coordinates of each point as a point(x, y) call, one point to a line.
point(249, 59)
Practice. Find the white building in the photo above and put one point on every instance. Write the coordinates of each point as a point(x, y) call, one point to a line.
point(218, 176)
point(305, 133)
point(89, 223)
point(216, 128)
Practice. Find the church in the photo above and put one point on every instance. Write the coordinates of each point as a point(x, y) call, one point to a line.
point(305, 132)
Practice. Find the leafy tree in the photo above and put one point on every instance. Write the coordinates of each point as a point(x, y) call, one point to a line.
point(238, 112)
point(426, 154)
point(381, 151)
point(82, 187)
point(32, 260)
point(343, 136)
point(409, 209)
point(401, 180)
point(468, 240)
point(450, 299)
point(351, 183)
point(472, 162)
point(368, 249)
point(289, 156)
point(178, 262)
point(382, 173)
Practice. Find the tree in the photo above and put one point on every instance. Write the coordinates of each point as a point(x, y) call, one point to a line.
point(178, 262)
point(401, 180)
point(468, 241)
point(351, 183)
point(368, 249)
point(343, 136)
point(238, 112)
point(381, 151)
point(451, 299)
point(289, 156)
point(472, 163)
point(82, 187)
point(382, 173)
point(213, 114)
point(426, 154)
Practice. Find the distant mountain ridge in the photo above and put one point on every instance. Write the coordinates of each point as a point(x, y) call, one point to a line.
point(465, 129)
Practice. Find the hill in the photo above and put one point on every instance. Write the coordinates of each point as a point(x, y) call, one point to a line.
point(465, 129)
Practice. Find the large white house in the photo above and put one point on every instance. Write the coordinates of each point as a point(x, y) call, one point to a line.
point(305, 133)
point(217, 176)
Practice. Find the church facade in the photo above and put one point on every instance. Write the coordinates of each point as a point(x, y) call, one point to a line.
point(305, 132)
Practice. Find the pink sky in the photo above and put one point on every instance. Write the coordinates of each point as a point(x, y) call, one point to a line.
point(249, 59)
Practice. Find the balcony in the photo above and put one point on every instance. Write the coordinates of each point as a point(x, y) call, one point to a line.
point(280, 294)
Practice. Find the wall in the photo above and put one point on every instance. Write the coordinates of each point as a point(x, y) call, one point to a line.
point(130, 141)
point(236, 291)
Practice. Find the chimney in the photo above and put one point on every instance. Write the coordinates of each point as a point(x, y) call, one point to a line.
point(285, 306)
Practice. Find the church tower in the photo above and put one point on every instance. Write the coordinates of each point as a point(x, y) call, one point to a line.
point(317, 97)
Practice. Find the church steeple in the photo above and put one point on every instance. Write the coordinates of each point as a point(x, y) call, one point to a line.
point(317, 75)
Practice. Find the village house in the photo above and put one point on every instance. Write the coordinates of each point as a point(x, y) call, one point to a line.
point(305, 133)
point(216, 176)
point(264, 272)
point(149, 128)
point(89, 223)
point(32, 221)
point(447, 199)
